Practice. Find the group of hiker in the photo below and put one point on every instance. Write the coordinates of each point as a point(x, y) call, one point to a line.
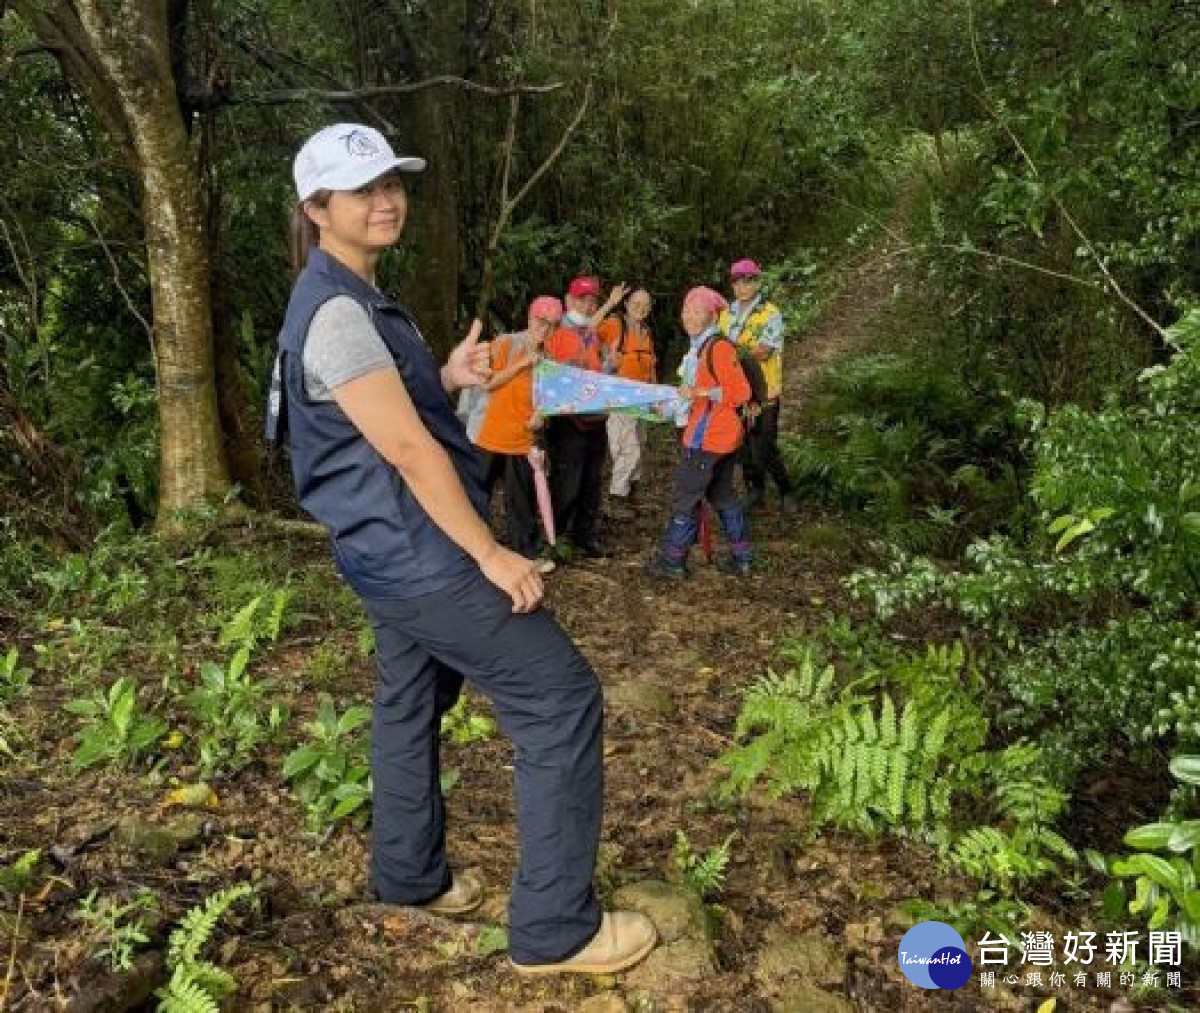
point(380, 458)
point(730, 382)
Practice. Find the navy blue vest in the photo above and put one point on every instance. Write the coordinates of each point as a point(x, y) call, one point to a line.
point(384, 542)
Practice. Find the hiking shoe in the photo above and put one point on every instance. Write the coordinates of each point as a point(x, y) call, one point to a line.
point(662, 567)
point(624, 939)
point(463, 897)
point(736, 567)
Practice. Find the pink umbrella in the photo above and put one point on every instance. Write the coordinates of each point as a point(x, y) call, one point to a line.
point(541, 485)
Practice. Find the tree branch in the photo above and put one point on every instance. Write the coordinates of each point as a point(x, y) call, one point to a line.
point(288, 95)
point(508, 205)
point(1112, 284)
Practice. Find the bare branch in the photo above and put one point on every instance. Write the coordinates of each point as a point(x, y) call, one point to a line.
point(507, 205)
point(116, 273)
point(25, 271)
point(551, 158)
point(287, 95)
point(1000, 258)
point(37, 49)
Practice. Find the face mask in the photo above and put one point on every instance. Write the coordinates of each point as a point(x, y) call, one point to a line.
point(575, 318)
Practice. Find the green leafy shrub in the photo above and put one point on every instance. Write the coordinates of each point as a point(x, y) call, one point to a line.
point(115, 731)
point(1095, 610)
point(901, 438)
point(1167, 890)
point(15, 678)
point(18, 876)
point(330, 772)
point(233, 714)
point(461, 725)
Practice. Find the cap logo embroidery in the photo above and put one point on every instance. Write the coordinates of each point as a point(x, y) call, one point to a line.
point(359, 145)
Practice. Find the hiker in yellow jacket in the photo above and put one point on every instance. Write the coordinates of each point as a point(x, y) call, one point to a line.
point(755, 324)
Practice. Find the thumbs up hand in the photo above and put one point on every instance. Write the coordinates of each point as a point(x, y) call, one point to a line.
point(470, 364)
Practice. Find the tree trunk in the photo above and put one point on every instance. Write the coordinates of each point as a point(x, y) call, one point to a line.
point(434, 227)
point(131, 44)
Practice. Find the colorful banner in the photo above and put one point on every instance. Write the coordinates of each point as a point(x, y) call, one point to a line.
point(568, 390)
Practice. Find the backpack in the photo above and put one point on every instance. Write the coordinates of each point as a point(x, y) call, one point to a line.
point(473, 401)
point(751, 367)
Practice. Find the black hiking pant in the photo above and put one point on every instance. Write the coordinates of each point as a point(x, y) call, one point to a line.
point(577, 454)
point(520, 500)
point(760, 453)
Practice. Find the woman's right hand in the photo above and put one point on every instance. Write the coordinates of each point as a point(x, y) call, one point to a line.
point(515, 575)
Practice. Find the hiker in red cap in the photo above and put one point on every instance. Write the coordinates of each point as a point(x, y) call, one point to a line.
point(712, 380)
point(578, 444)
point(756, 325)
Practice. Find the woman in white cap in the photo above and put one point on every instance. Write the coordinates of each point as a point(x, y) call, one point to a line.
point(380, 458)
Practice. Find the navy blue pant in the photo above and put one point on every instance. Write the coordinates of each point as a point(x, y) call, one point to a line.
point(703, 475)
point(547, 700)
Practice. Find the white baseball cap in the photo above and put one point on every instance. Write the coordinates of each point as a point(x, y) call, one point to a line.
point(346, 156)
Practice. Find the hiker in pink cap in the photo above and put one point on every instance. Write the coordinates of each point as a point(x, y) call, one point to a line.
point(755, 325)
point(506, 435)
point(578, 444)
point(711, 379)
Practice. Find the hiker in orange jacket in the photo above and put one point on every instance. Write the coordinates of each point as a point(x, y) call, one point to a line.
point(505, 435)
point(713, 381)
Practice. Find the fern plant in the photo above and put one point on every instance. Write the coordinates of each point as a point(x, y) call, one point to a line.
point(704, 874)
point(252, 622)
point(1024, 846)
point(865, 764)
point(195, 985)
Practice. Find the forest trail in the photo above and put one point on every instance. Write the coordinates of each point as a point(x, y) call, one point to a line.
point(797, 924)
point(847, 322)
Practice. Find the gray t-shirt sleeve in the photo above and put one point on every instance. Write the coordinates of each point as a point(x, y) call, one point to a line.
point(342, 345)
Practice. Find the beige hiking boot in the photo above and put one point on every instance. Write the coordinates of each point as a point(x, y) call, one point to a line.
point(624, 939)
point(463, 897)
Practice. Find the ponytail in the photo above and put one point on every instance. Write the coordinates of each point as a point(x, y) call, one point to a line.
point(304, 231)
